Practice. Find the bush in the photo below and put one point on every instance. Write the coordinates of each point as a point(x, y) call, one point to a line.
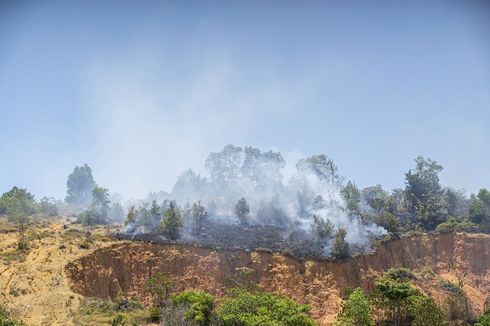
point(198, 306)
point(457, 225)
point(261, 308)
point(355, 310)
point(483, 320)
point(6, 318)
point(398, 303)
point(400, 274)
point(159, 286)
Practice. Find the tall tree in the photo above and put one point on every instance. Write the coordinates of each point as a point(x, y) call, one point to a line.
point(19, 205)
point(172, 223)
point(352, 196)
point(242, 209)
point(424, 194)
point(199, 217)
point(340, 246)
point(79, 186)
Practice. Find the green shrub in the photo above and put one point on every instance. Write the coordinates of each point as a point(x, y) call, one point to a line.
point(6, 318)
point(261, 308)
point(400, 274)
point(457, 225)
point(355, 310)
point(198, 306)
point(483, 320)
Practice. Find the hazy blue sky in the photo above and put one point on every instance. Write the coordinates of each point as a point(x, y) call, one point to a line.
point(142, 90)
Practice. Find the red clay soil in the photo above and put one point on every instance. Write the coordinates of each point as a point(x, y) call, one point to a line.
point(460, 258)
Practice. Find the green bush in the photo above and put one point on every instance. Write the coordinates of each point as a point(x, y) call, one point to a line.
point(198, 306)
point(245, 308)
point(400, 274)
point(457, 225)
point(6, 319)
point(483, 320)
point(355, 310)
point(399, 303)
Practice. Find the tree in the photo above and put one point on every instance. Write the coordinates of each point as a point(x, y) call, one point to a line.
point(355, 310)
point(261, 308)
point(388, 221)
point(198, 306)
point(155, 209)
point(340, 246)
point(479, 210)
point(224, 167)
point(424, 194)
point(399, 303)
point(131, 216)
point(376, 198)
point(48, 206)
point(172, 223)
point(199, 217)
point(79, 186)
point(159, 286)
point(322, 228)
point(352, 196)
point(98, 211)
point(242, 209)
point(100, 202)
point(19, 205)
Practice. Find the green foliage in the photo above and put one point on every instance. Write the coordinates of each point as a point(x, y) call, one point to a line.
point(425, 312)
point(388, 221)
point(479, 210)
point(400, 274)
point(424, 194)
point(375, 197)
point(356, 310)
point(119, 320)
point(322, 228)
point(159, 286)
point(340, 246)
point(172, 223)
point(79, 186)
point(19, 205)
point(198, 306)
point(483, 320)
point(48, 207)
point(245, 308)
point(242, 209)
point(457, 225)
point(352, 196)
point(398, 303)
point(199, 217)
point(99, 209)
point(6, 318)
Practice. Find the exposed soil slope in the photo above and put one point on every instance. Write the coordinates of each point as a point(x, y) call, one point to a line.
point(33, 283)
point(461, 258)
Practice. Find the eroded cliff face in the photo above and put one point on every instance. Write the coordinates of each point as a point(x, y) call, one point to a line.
point(463, 258)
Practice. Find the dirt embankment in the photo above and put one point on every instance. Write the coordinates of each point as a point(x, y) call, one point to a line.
point(33, 284)
point(461, 258)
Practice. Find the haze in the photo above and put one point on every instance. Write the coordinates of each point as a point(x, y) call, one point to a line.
point(144, 90)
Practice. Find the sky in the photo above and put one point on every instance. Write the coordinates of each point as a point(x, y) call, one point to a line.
point(142, 90)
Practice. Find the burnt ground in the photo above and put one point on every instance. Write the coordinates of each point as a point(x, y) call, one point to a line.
point(296, 243)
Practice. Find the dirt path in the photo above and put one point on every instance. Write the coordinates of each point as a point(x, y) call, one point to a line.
point(34, 284)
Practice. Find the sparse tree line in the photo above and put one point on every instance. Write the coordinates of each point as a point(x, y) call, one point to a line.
point(423, 204)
